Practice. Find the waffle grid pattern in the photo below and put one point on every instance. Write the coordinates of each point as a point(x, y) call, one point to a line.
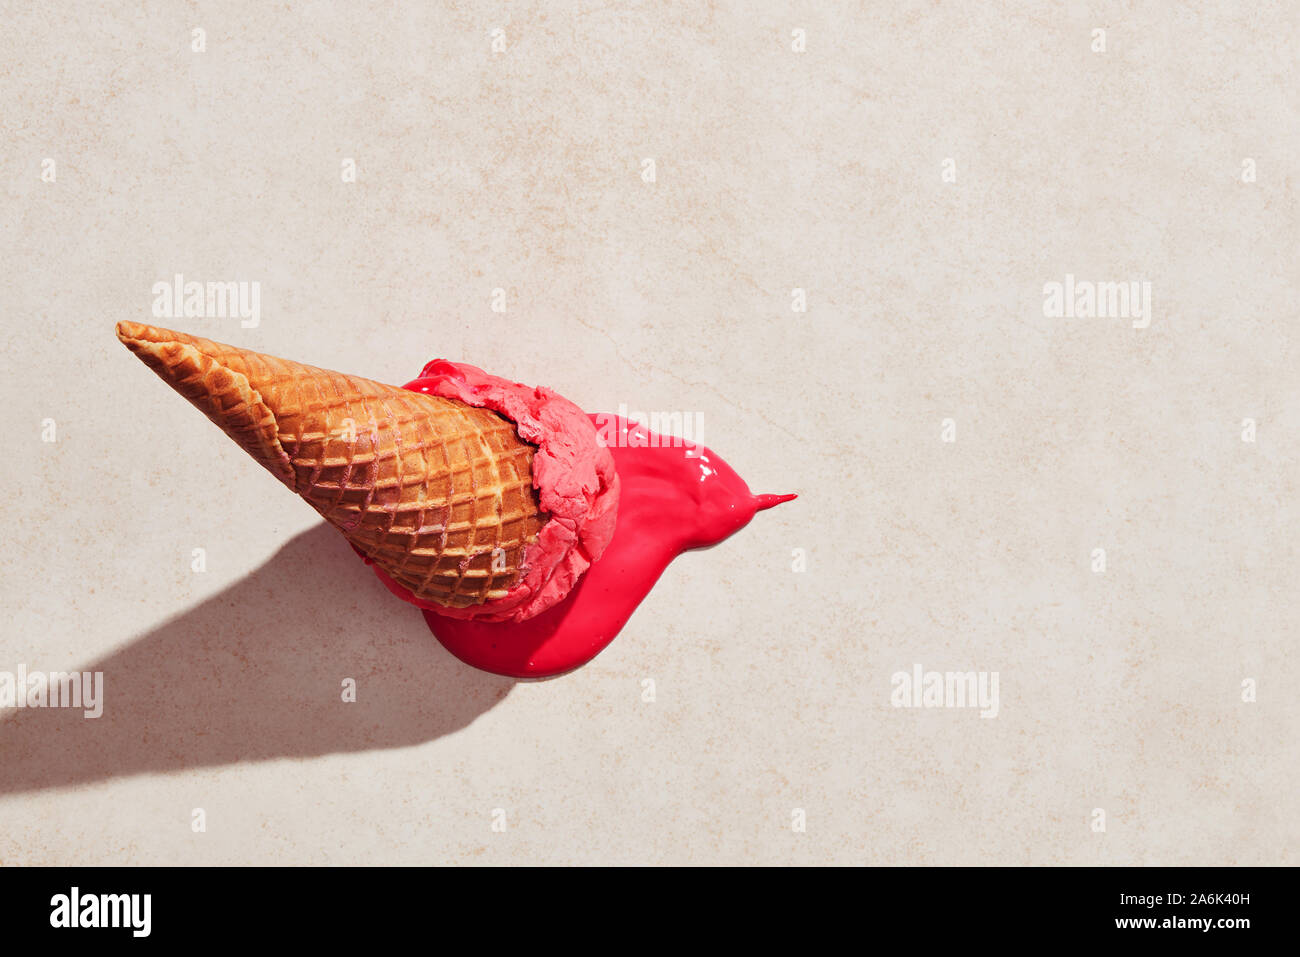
point(437, 493)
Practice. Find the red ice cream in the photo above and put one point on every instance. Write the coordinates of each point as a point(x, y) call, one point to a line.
point(616, 492)
point(674, 498)
point(573, 472)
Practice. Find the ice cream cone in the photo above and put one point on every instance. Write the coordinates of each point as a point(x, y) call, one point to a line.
point(437, 493)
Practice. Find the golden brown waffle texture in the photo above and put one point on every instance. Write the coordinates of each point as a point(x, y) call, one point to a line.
point(437, 493)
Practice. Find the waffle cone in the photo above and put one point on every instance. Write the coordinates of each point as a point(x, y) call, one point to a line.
point(435, 492)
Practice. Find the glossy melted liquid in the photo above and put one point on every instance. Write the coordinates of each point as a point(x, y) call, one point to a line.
point(672, 498)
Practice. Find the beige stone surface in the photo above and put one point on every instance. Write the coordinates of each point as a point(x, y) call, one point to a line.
point(821, 170)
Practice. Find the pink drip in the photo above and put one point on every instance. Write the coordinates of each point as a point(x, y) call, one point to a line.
point(673, 498)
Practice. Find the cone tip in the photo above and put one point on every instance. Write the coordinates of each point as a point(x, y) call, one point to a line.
point(134, 334)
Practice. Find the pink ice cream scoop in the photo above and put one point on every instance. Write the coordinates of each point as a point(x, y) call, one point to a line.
point(575, 478)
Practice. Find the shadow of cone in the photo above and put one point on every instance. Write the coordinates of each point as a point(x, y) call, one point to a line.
point(256, 673)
